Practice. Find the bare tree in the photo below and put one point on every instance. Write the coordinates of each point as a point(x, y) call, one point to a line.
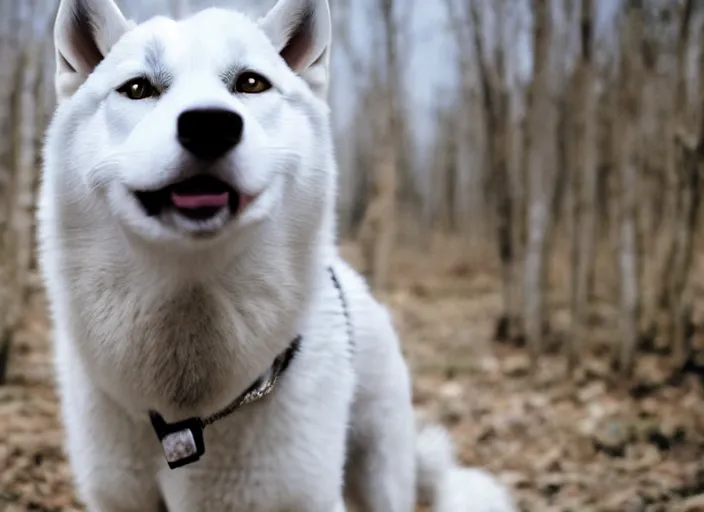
point(20, 76)
point(541, 124)
point(630, 97)
point(584, 182)
point(441, 207)
point(8, 41)
point(388, 152)
point(493, 86)
point(683, 203)
point(690, 157)
point(460, 27)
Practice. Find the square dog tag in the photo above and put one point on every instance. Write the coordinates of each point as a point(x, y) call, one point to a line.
point(182, 441)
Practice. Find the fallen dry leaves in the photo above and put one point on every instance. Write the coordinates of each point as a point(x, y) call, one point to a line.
point(581, 443)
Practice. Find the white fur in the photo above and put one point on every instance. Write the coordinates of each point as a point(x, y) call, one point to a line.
point(169, 314)
point(460, 488)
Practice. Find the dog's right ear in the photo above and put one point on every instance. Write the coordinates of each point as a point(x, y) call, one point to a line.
point(84, 32)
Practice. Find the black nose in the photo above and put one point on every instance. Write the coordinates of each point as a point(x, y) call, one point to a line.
point(209, 133)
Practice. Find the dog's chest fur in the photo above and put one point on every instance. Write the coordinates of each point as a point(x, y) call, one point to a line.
point(181, 345)
point(173, 346)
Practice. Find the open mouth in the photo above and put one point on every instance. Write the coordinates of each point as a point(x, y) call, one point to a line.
point(198, 198)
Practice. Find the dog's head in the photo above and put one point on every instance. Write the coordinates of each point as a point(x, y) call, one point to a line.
point(193, 132)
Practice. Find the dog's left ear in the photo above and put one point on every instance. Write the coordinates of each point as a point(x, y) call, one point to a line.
point(301, 31)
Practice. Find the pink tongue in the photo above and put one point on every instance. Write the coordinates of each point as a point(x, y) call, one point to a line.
point(200, 201)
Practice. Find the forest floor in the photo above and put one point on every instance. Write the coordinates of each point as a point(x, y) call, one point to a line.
point(583, 443)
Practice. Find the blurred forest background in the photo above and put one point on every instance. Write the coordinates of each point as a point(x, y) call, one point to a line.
point(521, 182)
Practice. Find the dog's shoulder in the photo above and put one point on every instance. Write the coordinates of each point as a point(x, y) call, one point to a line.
point(360, 296)
point(373, 331)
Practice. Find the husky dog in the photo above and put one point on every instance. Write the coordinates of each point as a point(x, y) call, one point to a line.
point(187, 241)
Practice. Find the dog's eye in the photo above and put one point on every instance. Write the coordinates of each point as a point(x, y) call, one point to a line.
point(251, 83)
point(138, 89)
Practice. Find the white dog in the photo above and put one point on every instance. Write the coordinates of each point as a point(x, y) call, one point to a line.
point(187, 238)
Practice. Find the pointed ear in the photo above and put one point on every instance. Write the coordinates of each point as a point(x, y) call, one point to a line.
point(301, 31)
point(84, 33)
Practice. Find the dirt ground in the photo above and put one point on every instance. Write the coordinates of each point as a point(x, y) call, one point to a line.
point(584, 443)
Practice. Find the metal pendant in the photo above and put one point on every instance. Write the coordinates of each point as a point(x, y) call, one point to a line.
point(182, 441)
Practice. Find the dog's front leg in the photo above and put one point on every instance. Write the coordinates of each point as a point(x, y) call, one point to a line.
point(112, 468)
point(381, 466)
point(107, 481)
point(106, 484)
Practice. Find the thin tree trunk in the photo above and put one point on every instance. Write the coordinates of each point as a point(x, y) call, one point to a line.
point(631, 77)
point(674, 185)
point(25, 168)
point(389, 159)
point(687, 161)
point(495, 117)
point(9, 30)
point(691, 150)
point(584, 185)
point(541, 182)
point(516, 188)
point(20, 61)
point(519, 227)
point(681, 290)
point(610, 103)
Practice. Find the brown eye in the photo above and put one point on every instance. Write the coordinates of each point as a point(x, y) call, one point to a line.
point(252, 83)
point(138, 89)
